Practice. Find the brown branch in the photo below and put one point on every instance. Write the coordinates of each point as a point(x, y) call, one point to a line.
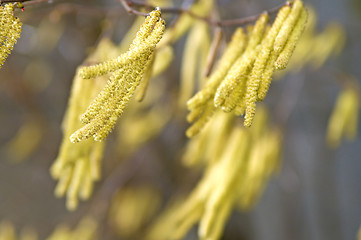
point(213, 51)
point(131, 10)
point(24, 2)
point(128, 5)
point(33, 2)
point(12, 1)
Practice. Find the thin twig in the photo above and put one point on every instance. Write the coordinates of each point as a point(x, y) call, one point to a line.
point(128, 5)
point(213, 51)
point(131, 10)
point(34, 2)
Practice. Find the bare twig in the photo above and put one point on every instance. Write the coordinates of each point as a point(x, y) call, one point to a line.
point(213, 51)
point(131, 10)
point(128, 5)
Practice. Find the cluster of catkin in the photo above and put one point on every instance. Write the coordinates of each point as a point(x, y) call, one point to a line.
point(78, 166)
point(245, 160)
point(85, 230)
point(10, 29)
point(7, 232)
point(127, 71)
point(244, 72)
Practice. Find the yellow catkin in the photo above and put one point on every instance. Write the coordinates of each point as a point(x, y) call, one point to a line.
point(330, 42)
point(290, 46)
point(112, 87)
point(137, 76)
point(288, 26)
point(239, 72)
point(86, 188)
point(209, 144)
point(104, 111)
point(236, 97)
point(201, 121)
point(258, 31)
point(75, 184)
point(359, 233)
point(266, 77)
point(262, 163)
point(218, 223)
point(19, 147)
point(146, 78)
point(131, 33)
point(163, 58)
point(261, 67)
point(128, 203)
point(241, 107)
point(200, 104)
point(9, 32)
point(117, 63)
point(243, 64)
point(86, 230)
point(344, 118)
point(192, 60)
point(228, 167)
point(264, 64)
point(234, 49)
point(64, 181)
point(61, 232)
point(28, 234)
point(90, 152)
point(7, 231)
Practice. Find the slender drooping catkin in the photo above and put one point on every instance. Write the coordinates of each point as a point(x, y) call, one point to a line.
point(119, 62)
point(10, 29)
point(276, 45)
point(288, 25)
point(265, 60)
point(290, 46)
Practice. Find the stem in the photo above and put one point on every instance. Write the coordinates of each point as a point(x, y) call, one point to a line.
point(128, 5)
point(213, 51)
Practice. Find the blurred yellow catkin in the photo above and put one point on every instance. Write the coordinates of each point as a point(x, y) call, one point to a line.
point(132, 208)
point(193, 60)
point(247, 157)
point(315, 47)
point(7, 232)
point(19, 148)
point(85, 230)
point(78, 166)
point(344, 119)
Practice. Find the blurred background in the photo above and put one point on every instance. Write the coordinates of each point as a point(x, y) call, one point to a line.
point(317, 194)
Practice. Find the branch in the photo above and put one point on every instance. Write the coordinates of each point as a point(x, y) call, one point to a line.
point(131, 10)
point(213, 51)
point(128, 5)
